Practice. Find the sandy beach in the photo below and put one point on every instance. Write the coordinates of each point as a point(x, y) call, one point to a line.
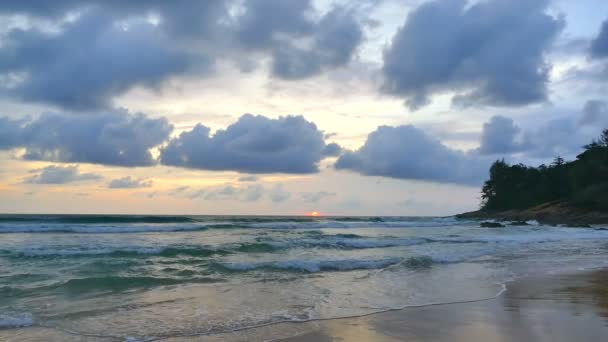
point(559, 307)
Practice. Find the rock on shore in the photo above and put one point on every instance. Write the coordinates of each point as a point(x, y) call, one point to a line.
point(547, 213)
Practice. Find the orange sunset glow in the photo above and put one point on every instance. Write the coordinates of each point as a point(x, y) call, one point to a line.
point(314, 213)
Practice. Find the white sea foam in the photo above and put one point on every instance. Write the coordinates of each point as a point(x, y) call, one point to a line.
point(41, 252)
point(314, 266)
point(97, 228)
point(15, 320)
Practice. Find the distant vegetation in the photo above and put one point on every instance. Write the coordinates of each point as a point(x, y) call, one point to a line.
point(581, 183)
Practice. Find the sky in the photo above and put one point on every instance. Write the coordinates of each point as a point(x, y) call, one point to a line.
point(284, 107)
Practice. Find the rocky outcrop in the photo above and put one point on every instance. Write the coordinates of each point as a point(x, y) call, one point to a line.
point(548, 213)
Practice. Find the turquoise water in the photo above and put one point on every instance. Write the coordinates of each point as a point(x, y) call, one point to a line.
point(148, 277)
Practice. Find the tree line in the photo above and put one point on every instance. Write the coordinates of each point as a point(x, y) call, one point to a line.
point(582, 182)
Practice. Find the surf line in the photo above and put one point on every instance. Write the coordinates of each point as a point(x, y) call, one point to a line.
point(503, 289)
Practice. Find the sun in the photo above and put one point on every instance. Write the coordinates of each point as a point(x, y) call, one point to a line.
point(314, 213)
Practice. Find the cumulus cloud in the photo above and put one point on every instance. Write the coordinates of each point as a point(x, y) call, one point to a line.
point(253, 144)
point(407, 152)
point(332, 150)
point(560, 136)
point(489, 53)
point(54, 174)
point(315, 197)
point(112, 46)
point(499, 136)
point(181, 16)
point(599, 45)
point(334, 44)
point(89, 61)
point(110, 138)
point(129, 182)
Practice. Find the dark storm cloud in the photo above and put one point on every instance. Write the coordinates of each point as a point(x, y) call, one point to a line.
point(129, 182)
point(406, 152)
point(490, 53)
point(499, 136)
point(110, 138)
point(111, 46)
point(54, 174)
point(89, 62)
point(599, 46)
point(253, 144)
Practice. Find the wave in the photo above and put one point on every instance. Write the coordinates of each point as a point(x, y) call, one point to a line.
point(98, 228)
point(15, 320)
point(139, 224)
point(350, 243)
point(322, 241)
point(92, 219)
point(105, 284)
point(310, 266)
point(315, 266)
point(117, 252)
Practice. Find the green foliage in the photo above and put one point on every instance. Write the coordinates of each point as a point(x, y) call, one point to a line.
point(583, 182)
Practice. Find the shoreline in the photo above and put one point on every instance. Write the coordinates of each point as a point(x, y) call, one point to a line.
point(565, 297)
point(548, 307)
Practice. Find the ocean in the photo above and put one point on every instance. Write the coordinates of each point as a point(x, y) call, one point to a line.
point(154, 277)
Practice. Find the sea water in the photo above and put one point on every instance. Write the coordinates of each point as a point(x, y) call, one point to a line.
point(149, 277)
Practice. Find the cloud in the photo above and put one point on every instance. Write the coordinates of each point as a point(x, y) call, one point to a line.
point(599, 45)
point(181, 17)
point(10, 133)
point(595, 112)
point(249, 178)
point(54, 174)
point(499, 136)
point(560, 136)
point(315, 197)
point(111, 138)
point(179, 190)
point(251, 193)
point(129, 182)
point(278, 195)
point(109, 47)
point(489, 53)
point(406, 152)
point(90, 61)
point(332, 150)
point(334, 43)
point(263, 20)
point(253, 144)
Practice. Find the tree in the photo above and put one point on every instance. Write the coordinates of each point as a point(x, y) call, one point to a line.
point(582, 182)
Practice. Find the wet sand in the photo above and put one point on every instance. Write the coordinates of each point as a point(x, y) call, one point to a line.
point(564, 307)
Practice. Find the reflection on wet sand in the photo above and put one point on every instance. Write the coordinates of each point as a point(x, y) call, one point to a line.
point(571, 307)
